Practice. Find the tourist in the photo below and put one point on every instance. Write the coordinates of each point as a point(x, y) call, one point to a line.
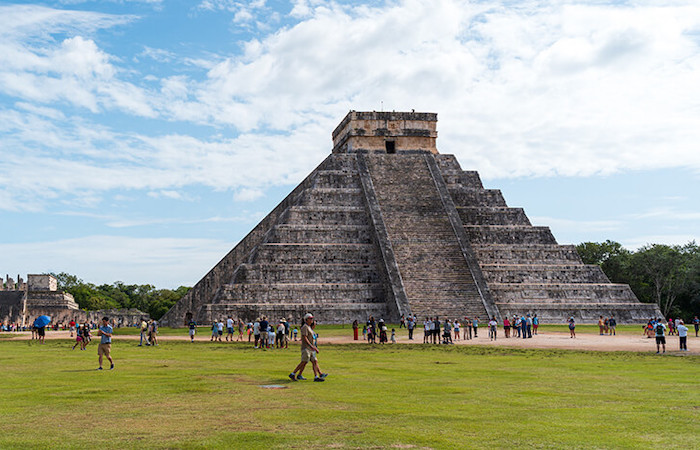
point(601, 325)
point(71, 326)
point(215, 332)
point(241, 327)
point(456, 326)
point(606, 325)
point(696, 324)
point(660, 334)
point(447, 333)
point(528, 324)
point(193, 329)
point(411, 325)
point(426, 330)
point(475, 325)
point(364, 332)
point(104, 349)
point(295, 332)
point(256, 332)
point(263, 332)
point(402, 323)
point(493, 327)
point(572, 327)
point(535, 323)
point(613, 325)
point(468, 328)
point(308, 353)
point(271, 334)
point(154, 332)
point(41, 334)
point(682, 335)
point(436, 330)
point(393, 336)
point(279, 335)
point(382, 332)
point(144, 333)
point(670, 327)
point(87, 337)
point(355, 327)
point(282, 335)
point(229, 329)
point(79, 339)
point(220, 329)
point(523, 327)
point(506, 326)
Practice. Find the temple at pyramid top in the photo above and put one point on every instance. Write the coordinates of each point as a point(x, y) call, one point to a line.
point(386, 132)
point(387, 226)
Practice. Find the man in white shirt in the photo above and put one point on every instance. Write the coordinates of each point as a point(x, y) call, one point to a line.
point(229, 328)
point(682, 335)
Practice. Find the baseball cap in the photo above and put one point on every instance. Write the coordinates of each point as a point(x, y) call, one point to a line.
point(308, 316)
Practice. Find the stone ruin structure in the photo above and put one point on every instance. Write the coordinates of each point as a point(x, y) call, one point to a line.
point(387, 226)
point(22, 302)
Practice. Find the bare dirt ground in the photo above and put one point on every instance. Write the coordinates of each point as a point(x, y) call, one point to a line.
point(544, 340)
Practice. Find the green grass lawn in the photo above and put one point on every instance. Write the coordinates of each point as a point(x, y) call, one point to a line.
point(208, 395)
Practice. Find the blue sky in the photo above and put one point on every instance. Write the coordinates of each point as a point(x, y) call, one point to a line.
point(141, 140)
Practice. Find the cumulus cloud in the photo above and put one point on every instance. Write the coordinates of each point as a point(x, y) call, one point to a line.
point(526, 89)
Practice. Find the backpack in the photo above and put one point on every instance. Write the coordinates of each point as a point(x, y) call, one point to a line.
point(659, 329)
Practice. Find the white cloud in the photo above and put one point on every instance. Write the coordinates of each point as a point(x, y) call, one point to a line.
point(165, 262)
point(248, 195)
point(571, 88)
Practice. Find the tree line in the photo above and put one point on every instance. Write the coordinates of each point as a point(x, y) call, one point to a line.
point(668, 275)
point(145, 297)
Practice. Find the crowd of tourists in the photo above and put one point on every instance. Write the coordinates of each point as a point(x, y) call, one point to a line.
point(262, 333)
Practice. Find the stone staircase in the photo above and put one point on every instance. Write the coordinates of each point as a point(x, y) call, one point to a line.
point(526, 270)
point(435, 275)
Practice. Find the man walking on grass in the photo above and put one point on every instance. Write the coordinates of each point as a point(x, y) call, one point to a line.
point(104, 349)
point(308, 352)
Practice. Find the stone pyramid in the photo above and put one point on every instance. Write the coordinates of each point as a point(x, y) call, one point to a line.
point(387, 226)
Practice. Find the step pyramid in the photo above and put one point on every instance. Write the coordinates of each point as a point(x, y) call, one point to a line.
point(386, 226)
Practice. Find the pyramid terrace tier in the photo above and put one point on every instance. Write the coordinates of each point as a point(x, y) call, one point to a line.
point(632, 312)
point(316, 293)
point(543, 273)
point(307, 273)
point(329, 215)
point(463, 196)
point(347, 179)
point(526, 254)
point(333, 197)
point(315, 253)
point(321, 234)
point(562, 292)
point(509, 234)
point(494, 215)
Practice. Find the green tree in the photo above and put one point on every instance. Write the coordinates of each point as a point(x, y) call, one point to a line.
point(662, 273)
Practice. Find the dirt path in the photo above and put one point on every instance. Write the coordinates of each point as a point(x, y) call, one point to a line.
point(583, 341)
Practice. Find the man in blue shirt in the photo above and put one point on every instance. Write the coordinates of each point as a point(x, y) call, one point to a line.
point(105, 347)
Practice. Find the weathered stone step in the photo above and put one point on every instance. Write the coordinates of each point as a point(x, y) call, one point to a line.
point(338, 215)
point(477, 197)
point(304, 233)
point(543, 273)
point(316, 254)
point(526, 253)
point(307, 273)
point(475, 215)
point(509, 234)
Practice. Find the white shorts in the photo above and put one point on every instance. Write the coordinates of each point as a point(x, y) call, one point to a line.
point(192, 332)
